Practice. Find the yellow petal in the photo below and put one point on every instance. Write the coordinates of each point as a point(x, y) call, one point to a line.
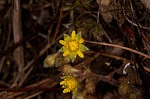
point(73, 56)
point(73, 34)
point(80, 54)
point(62, 42)
point(66, 53)
point(81, 40)
point(66, 90)
point(62, 82)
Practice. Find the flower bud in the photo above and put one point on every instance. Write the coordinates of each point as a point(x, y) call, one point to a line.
point(50, 60)
point(68, 69)
point(80, 95)
point(124, 87)
point(90, 87)
point(61, 60)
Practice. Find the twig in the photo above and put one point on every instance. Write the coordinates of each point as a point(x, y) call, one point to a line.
point(107, 79)
point(122, 47)
point(17, 31)
point(33, 95)
point(25, 76)
point(59, 21)
point(29, 89)
point(147, 28)
point(80, 65)
point(143, 27)
point(147, 69)
point(12, 92)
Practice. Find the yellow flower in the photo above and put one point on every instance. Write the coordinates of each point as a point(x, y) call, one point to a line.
point(69, 84)
point(73, 46)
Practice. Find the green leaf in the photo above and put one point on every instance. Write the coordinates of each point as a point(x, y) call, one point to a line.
point(73, 56)
point(82, 48)
point(66, 37)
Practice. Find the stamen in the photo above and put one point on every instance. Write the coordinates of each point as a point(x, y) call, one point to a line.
point(73, 45)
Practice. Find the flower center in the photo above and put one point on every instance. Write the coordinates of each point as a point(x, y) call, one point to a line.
point(71, 84)
point(73, 45)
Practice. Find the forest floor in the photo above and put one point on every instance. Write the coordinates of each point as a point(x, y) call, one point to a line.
point(96, 49)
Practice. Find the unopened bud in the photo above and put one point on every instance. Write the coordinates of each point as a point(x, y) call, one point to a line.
point(80, 95)
point(61, 60)
point(68, 69)
point(124, 87)
point(50, 60)
point(90, 87)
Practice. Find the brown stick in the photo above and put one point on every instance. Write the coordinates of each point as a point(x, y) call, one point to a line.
point(17, 32)
point(122, 47)
point(60, 19)
point(29, 89)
